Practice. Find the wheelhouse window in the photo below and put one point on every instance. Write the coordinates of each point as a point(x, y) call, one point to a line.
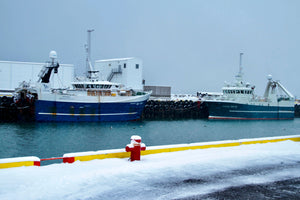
point(137, 66)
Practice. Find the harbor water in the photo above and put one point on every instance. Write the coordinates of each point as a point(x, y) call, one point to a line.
point(46, 140)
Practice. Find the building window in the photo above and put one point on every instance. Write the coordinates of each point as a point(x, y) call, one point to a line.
point(124, 65)
point(137, 66)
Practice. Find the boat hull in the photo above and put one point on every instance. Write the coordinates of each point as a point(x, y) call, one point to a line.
point(236, 111)
point(57, 111)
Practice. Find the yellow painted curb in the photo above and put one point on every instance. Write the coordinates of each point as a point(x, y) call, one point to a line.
point(19, 162)
point(174, 148)
point(102, 156)
point(16, 164)
point(120, 153)
point(206, 146)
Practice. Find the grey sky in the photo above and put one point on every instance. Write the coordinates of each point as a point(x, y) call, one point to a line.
point(191, 45)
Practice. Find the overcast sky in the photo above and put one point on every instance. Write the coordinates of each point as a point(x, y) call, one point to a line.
point(190, 45)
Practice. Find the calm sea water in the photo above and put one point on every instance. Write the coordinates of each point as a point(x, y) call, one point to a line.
point(46, 140)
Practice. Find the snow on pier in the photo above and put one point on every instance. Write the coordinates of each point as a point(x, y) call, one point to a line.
point(172, 175)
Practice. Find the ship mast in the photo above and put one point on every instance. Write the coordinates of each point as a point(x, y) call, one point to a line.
point(239, 77)
point(91, 73)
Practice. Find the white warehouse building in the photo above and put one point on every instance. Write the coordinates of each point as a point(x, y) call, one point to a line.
point(127, 71)
point(12, 73)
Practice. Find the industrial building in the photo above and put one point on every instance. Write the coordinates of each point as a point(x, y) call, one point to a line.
point(12, 73)
point(127, 71)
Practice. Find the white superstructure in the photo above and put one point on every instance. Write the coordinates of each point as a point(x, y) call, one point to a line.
point(127, 71)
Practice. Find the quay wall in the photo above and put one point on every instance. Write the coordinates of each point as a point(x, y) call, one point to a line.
point(121, 153)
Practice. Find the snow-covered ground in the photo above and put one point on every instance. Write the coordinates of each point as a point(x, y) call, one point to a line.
point(158, 176)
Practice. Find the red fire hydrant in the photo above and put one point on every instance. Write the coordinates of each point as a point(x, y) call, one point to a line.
point(135, 147)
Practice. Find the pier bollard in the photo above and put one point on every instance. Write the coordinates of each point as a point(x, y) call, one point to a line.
point(135, 147)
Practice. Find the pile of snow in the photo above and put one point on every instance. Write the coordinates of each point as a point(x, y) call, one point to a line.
point(158, 176)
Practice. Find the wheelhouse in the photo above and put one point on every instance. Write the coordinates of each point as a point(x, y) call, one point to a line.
point(238, 91)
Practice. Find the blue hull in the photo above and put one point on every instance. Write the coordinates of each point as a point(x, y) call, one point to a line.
point(87, 112)
point(225, 110)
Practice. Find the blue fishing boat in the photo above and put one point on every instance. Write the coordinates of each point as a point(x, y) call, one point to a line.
point(88, 100)
point(239, 102)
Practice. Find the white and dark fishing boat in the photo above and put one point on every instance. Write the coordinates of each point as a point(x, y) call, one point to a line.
point(238, 101)
point(88, 100)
